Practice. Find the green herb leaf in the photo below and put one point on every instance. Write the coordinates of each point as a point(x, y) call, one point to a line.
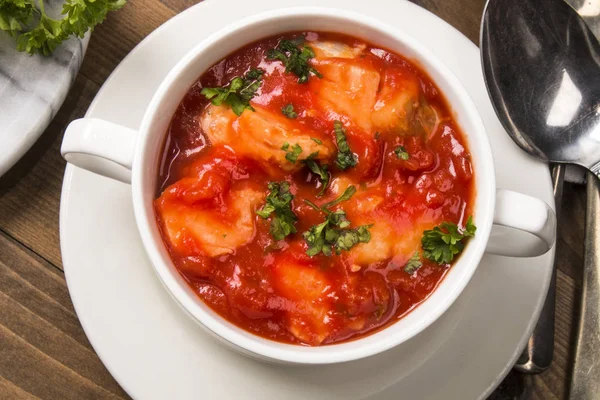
point(15, 15)
point(295, 56)
point(401, 153)
point(348, 193)
point(317, 141)
point(334, 232)
point(292, 155)
point(238, 93)
point(413, 264)
point(345, 157)
point(444, 242)
point(79, 16)
point(313, 205)
point(289, 112)
point(348, 238)
point(315, 238)
point(279, 207)
point(320, 170)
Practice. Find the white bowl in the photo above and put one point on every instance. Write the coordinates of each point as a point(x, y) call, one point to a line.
point(89, 143)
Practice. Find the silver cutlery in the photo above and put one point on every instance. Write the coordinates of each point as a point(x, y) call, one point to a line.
point(542, 69)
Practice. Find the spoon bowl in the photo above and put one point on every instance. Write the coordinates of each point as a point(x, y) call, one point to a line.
point(542, 70)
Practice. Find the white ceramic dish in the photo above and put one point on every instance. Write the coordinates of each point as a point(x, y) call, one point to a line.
point(159, 353)
point(97, 145)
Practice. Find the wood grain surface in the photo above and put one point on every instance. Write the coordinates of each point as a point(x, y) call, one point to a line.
point(44, 352)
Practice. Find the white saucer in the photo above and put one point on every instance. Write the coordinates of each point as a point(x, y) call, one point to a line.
point(156, 352)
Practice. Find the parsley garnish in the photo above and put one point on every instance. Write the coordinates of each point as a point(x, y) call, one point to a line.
point(401, 153)
point(238, 93)
point(345, 157)
point(37, 33)
point(295, 56)
point(289, 112)
point(317, 141)
point(322, 171)
point(332, 234)
point(413, 264)
point(445, 241)
point(348, 193)
point(279, 202)
point(291, 155)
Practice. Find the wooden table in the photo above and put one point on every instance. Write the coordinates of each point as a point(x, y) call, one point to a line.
point(43, 350)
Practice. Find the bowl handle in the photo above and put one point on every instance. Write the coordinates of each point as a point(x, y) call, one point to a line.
point(101, 147)
point(524, 226)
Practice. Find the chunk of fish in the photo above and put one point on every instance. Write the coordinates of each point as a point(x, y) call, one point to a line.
point(306, 286)
point(208, 229)
point(332, 49)
point(347, 88)
point(260, 135)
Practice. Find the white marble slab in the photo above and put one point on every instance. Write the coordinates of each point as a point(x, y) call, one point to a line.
point(32, 89)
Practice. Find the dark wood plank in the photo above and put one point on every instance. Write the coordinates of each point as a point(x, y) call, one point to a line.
point(569, 250)
point(464, 15)
point(44, 350)
point(119, 34)
point(179, 5)
point(9, 390)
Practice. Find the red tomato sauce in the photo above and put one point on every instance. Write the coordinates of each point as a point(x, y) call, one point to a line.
point(273, 288)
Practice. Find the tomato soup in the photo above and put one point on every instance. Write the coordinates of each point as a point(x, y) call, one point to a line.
point(314, 188)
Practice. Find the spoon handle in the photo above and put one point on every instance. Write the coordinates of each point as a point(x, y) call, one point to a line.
point(538, 354)
point(585, 383)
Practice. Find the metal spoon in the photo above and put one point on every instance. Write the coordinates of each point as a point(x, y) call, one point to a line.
point(542, 68)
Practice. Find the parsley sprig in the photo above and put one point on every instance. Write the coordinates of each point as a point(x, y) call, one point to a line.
point(238, 93)
point(345, 157)
point(37, 33)
point(295, 56)
point(401, 153)
point(279, 207)
point(413, 264)
point(334, 233)
point(291, 154)
point(445, 241)
point(322, 172)
point(289, 112)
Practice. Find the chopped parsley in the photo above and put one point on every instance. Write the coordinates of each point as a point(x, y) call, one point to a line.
point(238, 93)
point(333, 234)
point(413, 264)
point(279, 207)
point(345, 157)
point(348, 193)
point(38, 33)
point(291, 154)
point(295, 55)
point(317, 141)
point(289, 112)
point(401, 153)
point(445, 241)
point(322, 172)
